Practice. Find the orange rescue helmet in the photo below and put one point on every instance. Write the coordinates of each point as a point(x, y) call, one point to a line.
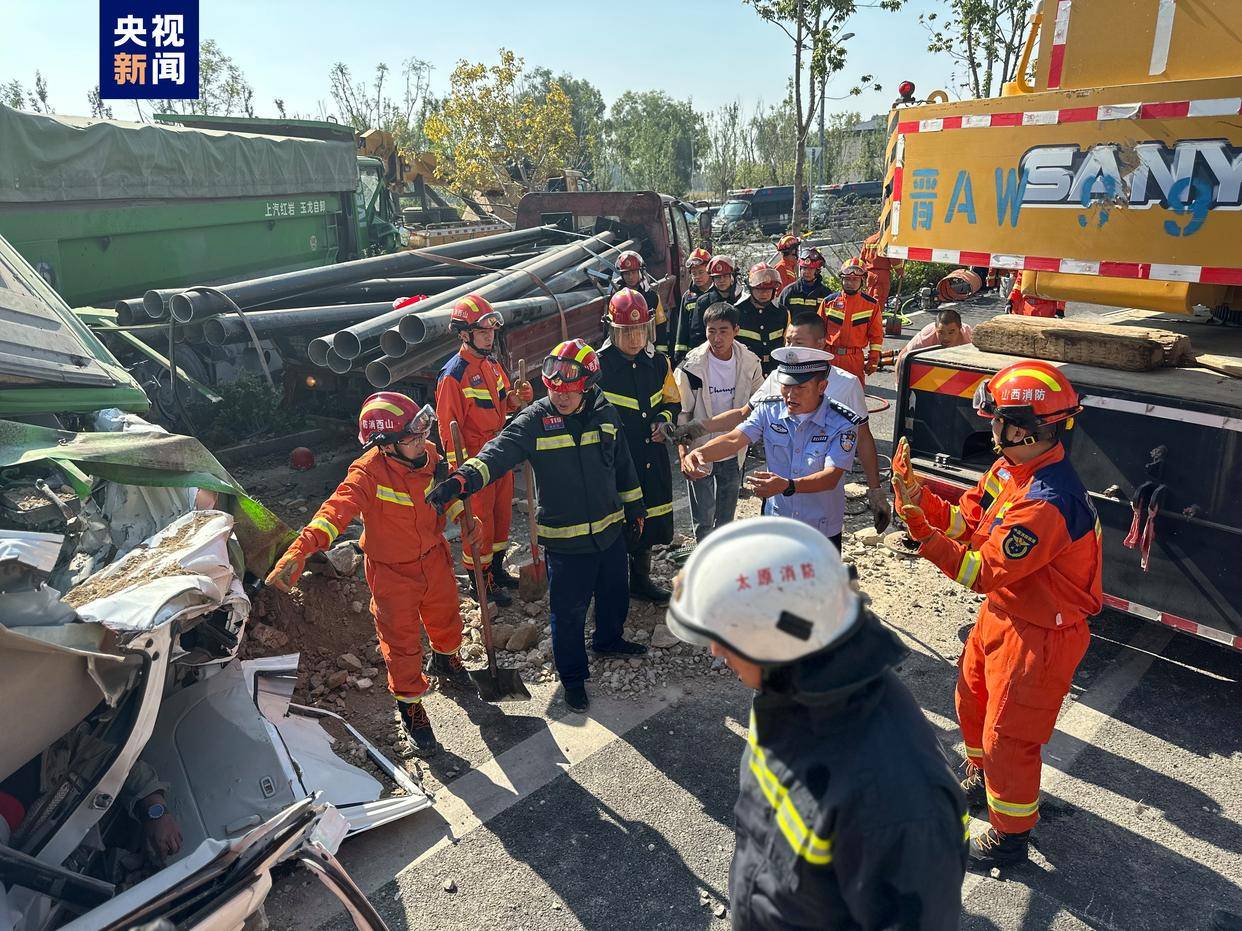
point(473, 312)
point(852, 268)
point(1031, 394)
point(630, 261)
point(571, 366)
point(788, 243)
point(628, 308)
point(721, 265)
point(393, 415)
point(810, 257)
point(698, 257)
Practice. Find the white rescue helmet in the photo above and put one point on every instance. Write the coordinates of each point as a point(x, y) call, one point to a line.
point(771, 589)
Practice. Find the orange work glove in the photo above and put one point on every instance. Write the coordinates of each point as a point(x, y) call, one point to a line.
point(916, 523)
point(907, 486)
point(287, 571)
point(873, 363)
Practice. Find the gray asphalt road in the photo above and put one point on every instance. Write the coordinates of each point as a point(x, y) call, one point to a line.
point(624, 819)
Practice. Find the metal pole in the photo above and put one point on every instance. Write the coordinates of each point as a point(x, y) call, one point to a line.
point(194, 305)
point(353, 340)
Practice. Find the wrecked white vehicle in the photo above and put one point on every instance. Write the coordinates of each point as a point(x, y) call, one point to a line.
point(147, 776)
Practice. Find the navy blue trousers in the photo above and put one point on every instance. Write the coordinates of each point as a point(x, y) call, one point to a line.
point(573, 580)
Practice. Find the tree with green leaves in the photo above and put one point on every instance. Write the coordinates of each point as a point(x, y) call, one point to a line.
point(489, 135)
point(817, 30)
point(13, 94)
point(586, 112)
point(983, 37)
point(99, 109)
point(651, 138)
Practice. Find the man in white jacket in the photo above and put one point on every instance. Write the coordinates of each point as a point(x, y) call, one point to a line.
point(717, 376)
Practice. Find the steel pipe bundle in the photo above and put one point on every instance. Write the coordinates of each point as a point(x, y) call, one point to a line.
point(352, 341)
point(384, 371)
point(193, 304)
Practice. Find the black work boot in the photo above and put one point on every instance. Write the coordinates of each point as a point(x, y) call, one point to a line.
point(576, 698)
point(641, 585)
point(449, 669)
point(495, 594)
point(972, 785)
point(620, 648)
point(994, 849)
point(500, 576)
point(422, 738)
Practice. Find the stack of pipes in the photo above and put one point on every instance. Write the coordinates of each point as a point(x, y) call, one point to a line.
point(349, 310)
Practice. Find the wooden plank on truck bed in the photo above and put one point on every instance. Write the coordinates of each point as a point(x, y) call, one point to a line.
point(1131, 348)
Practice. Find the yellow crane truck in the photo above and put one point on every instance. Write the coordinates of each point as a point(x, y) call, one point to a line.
point(1108, 172)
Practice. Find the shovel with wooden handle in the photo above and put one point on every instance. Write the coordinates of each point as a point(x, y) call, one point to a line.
point(493, 683)
point(532, 579)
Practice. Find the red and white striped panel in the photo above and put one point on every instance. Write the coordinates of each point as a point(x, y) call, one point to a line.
point(1172, 620)
point(1199, 274)
point(1060, 30)
point(1159, 110)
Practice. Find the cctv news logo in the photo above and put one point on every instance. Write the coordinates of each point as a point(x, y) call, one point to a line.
point(148, 49)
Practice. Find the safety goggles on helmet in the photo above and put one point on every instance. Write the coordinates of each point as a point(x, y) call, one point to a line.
point(1018, 414)
point(564, 374)
point(489, 321)
point(416, 428)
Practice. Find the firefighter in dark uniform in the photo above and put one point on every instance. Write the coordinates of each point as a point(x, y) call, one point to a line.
point(762, 324)
point(700, 281)
point(638, 380)
point(723, 272)
point(805, 294)
point(590, 507)
point(631, 273)
point(848, 816)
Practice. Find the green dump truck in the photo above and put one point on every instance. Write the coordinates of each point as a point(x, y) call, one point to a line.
point(105, 210)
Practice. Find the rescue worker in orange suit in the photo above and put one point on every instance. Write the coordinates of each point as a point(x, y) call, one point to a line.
point(787, 265)
point(409, 567)
point(879, 269)
point(475, 391)
point(1028, 539)
point(637, 380)
point(805, 294)
point(700, 282)
point(631, 273)
point(854, 322)
point(1032, 305)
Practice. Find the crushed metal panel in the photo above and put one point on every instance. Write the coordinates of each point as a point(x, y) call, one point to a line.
point(353, 791)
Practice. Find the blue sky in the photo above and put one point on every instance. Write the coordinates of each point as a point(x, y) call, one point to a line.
point(713, 51)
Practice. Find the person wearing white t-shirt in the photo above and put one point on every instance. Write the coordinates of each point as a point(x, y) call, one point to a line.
point(807, 330)
point(714, 378)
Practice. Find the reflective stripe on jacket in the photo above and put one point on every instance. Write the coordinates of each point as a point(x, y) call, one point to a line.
point(399, 526)
point(1027, 537)
point(853, 321)
point(474, 391)
point(586, 480)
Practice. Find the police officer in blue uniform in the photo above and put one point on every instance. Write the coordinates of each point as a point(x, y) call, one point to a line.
point(809, 440)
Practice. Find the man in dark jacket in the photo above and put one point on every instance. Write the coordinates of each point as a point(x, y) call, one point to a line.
point(848, 816)
point(724, 288)
point(700, 281)
point(761, 323)
point(590, 506)
point(638, 381)
point(805, 294)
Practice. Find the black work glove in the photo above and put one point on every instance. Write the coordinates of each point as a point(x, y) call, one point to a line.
point(634, 532)
point(451, 489)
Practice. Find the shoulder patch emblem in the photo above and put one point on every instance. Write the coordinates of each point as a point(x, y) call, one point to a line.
point(1018, 543)
point(848, 439)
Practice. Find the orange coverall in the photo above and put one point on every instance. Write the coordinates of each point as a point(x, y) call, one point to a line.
point(855, 327)
point(475, 392)
point(787, 268)
point(879, 269)
point(1026, 537)
point(1029, 305)
point(408, 563)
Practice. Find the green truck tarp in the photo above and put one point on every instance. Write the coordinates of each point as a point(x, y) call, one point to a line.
point(58, 159)
point(157, 459)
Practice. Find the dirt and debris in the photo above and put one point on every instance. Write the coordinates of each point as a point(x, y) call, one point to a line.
point(140, 565)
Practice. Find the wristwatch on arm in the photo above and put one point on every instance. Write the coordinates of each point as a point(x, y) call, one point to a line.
point(790, 490)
